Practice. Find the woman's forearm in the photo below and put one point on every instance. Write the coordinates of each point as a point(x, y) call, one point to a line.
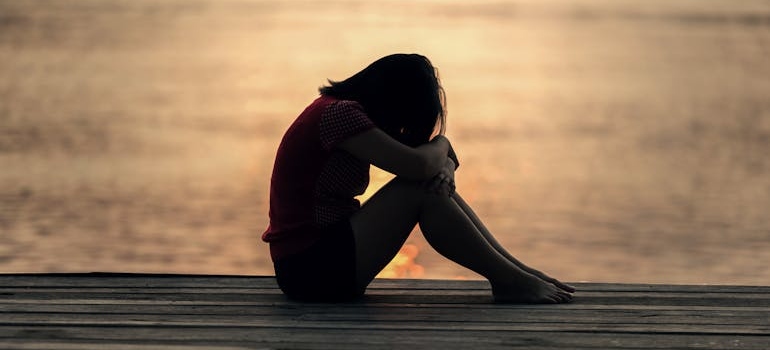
point(434, 154)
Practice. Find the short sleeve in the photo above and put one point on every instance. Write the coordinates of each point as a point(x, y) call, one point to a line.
point(341, 120)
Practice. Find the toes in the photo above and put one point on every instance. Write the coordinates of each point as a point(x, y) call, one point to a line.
point(565, 297)
point(566, 287)
point(560, 296)
point(563, 286)
point(557, 283)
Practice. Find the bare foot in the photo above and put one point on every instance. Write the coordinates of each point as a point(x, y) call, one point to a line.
point(563, 286)
point(531, 290)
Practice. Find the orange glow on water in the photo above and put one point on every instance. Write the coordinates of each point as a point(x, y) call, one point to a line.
point(377, 179)
point(403, 264)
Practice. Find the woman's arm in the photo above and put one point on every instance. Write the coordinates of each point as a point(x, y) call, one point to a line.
point(384, 152)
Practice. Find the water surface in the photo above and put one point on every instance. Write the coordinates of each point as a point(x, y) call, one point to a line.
point(619, 141)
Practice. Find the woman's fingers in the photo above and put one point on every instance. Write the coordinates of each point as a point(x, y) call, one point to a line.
point(447, 188)
point(442, 184)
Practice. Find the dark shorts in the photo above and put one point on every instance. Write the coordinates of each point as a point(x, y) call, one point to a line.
point(325, 272)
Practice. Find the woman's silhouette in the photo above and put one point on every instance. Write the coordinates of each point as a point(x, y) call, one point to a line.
point(325, 245)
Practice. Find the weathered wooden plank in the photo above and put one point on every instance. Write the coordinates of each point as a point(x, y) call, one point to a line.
point(99, 345)
point(118, 306)
point(458, 308)
point(121, 280)
point(195, 308)
point(702, 293)
point(444, 299)
point(246, 308)
point(359, 320)
point(6, 291)
point(393, 338)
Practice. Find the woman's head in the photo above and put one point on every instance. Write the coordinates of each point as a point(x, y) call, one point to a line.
point(401, 93)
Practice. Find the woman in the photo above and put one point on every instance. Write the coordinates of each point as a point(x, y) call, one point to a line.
point(326, 246)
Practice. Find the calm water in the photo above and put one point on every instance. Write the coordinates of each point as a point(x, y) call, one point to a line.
point(601, 140)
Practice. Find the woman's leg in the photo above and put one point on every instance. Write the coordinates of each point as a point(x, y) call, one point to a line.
point(385, 221)
point(493, 242)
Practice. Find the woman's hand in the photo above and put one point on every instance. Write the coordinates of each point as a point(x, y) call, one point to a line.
point(444, 182)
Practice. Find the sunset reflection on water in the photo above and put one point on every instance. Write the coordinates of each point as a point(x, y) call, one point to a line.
point(602, 140)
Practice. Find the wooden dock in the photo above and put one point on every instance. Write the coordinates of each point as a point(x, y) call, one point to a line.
point(126, 311)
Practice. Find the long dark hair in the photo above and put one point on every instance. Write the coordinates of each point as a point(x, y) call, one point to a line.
point(400, 93)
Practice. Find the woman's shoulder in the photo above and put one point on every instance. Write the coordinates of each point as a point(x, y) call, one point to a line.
point(318, 108)
point(343, 109)
point(342, 119)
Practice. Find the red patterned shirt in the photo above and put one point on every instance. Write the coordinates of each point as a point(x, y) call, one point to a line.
point(314, 183)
